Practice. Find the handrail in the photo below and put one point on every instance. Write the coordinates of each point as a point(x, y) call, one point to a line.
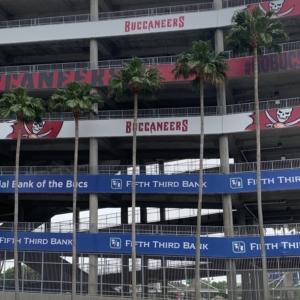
point(146, 12)
point(156, 229)
point(178, 112)
point(114, 64)
point(153, 169)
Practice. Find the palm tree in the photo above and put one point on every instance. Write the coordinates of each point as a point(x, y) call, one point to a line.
point(26, 110)
point(134, 78)
point(204, 65)
point(78, 98)
point(248, 33)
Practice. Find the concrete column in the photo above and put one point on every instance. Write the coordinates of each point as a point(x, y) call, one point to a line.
point(162, 214)
point(288, 282)
point(246, 293)
point(77, 219)
point(224, 159)
point(126, 275)
point(161, 167)
point(162, 210)
point(124, 215)
point(93, 198)
point(145, 283)
point(143, 211)
point(94, 10)
point(142, 166)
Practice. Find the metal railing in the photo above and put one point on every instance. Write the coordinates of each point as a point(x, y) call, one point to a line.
point(153, 169)
point(284, 48)
point(113, 64)
point(159, 276)
point(136, 13)
point(153, 215)
point(105, 64)
point(177, 112)
point(104, 16)
point(156, 229)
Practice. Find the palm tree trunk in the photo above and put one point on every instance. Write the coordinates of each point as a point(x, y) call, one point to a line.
point(133, 238)
point(16, 213)
point(198, 231)
point(258, 172)
point(74, 260)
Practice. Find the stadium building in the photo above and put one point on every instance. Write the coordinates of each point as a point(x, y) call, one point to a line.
point(44, 46)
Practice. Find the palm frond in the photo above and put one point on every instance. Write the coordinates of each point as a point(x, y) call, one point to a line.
point(135, 77)
point(202, 63)
point(18, 104)
point(254, 30)
point(76, 97)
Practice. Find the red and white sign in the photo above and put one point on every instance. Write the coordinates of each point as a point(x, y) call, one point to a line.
point(282, 8)
point(271, 119)
point(177, 22)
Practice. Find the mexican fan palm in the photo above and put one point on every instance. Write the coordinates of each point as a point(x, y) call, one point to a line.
point(201, 65)
point(134, 78)
point(77, 98)
point(248, 33)
point(26, 110)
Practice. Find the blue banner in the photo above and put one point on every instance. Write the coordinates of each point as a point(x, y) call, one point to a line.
point(270, 181)
point(239, 247)
point(154, 184)
point(157, 184)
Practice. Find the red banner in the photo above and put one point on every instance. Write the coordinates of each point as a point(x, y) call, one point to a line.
point(45, 129)
point(277, 118)
point(282, 8)
point(238, 67)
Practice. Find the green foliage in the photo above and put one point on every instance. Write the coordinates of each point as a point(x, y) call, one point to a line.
point(26, 272)
point(202, 63)
point(133, 78)
point(254, 30)
point(18, 104)
point(75, 97)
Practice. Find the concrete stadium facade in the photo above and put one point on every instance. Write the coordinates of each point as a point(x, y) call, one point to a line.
point(43, 47)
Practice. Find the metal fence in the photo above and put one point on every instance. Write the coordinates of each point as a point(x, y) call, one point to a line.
point(191, 167)
point(103, 16)
point(177, 112)
point(105, 64)
point(158, 277)
point(113, 64)
point(284, 48)
point(234, 3)
point(146, 12)
point(157, 229)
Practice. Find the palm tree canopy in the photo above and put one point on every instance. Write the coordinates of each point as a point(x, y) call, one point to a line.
point(254, 30)
point(134, 77)
point(18, 104)
point(201, 63)
point(75, 97)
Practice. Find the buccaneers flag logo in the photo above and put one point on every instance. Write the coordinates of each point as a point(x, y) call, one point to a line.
point(36, 130)
point(281, 8)
point(280, 118)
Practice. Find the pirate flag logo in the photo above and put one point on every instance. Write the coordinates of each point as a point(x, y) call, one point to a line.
point(281, 8)
point(280, 118)
point(48, 129)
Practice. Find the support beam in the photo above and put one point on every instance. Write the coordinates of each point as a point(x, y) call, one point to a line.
point(103, 49)
point(4, 15)
point(105, 6)
point(108, 146)
point(234, 150)
point(124, 215)
point(224, 159)
point(143, 212)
